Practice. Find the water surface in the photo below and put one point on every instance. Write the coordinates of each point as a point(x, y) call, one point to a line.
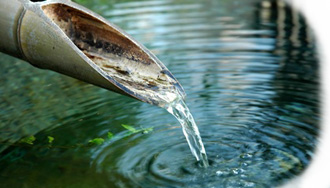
point(250, 72)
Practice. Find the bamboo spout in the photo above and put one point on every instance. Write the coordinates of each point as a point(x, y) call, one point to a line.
point(67, 38)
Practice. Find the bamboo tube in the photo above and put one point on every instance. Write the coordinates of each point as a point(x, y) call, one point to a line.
point(10, 12)
point(65, 37)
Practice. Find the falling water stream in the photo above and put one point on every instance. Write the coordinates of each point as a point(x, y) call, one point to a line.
point(180, 111)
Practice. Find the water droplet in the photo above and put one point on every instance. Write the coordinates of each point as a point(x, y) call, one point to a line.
point(249, 184)
point(235, 171)
point(219, 173)
point(247, 155)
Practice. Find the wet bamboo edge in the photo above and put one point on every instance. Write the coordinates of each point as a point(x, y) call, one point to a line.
point(45, 34)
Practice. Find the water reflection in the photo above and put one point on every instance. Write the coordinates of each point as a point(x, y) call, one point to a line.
point(250, 72)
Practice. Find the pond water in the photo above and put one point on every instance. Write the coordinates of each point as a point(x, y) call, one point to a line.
point(250, 72)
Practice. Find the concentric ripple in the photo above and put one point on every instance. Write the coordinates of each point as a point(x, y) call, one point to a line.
point(169, 164)
point(250, 72)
